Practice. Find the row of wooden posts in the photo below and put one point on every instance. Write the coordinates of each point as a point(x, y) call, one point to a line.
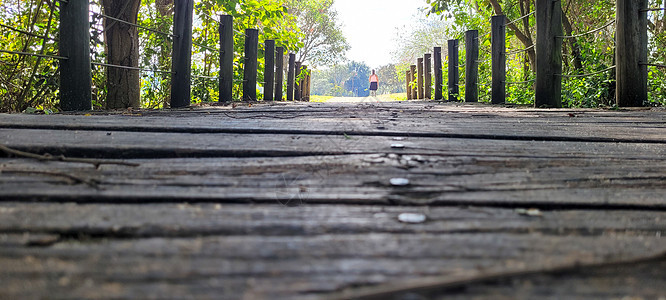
point(76, 73)
point(631, 59)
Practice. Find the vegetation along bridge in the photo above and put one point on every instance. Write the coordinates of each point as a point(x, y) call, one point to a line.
point(363, 199)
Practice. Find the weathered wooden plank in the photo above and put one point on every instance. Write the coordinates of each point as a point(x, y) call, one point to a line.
point(436, 180)
point(409, 119)
point(122, 144)
point(308, 266)
point(34, 221)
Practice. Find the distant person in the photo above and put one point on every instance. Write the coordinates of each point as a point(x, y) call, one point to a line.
point(374, 84)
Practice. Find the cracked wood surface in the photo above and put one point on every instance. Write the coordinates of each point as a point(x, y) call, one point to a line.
point(295, 202)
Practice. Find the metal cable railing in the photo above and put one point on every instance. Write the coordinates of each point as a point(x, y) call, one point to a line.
point(520, 50)
point(133, 24)
point(153, 30)
point(34, 54)
point(586, 75)
point(589, 32)
point(521, 18)
point(43, 37)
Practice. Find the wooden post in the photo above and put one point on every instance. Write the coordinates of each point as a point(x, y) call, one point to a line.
point(250, 68)
point(226, 58)
point(297, 81)
point(498, 45)
point(548, 91)
point(412, 72)
point(290, 77)
point(303, 83)
point(439, 84)
point(419, 80)
point(427, 65)
point(279, 75)
point(75, 72)
point(472, 66)
point(408, 87)
point(454, 71)
point(631, 53)
point(181, 62)
point(269, 69)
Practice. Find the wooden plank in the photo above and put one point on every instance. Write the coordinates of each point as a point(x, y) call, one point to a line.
point(401, 120)
point(313, 265)
point(435, 180)
point(123, 144)
point(36, 220)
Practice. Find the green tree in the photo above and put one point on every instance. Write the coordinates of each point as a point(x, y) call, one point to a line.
point(389, 80)
point(323, 40)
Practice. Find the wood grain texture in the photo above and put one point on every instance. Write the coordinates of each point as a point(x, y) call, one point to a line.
point(296, 202)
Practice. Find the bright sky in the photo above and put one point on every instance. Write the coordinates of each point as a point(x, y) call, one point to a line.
point(370, 26)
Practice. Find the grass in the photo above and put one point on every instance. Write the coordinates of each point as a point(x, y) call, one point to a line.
point(385, 97)
point(317, 98)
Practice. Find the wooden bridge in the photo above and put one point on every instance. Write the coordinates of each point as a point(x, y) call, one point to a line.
point(395, 200)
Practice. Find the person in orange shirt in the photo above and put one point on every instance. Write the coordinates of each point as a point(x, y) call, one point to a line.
point(374, 84)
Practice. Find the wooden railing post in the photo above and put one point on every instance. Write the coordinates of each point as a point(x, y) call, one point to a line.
point(297, 81)
point(291, 76)
point(548, 91)
point(304, 84)
point(427, 65)
point(472, 66)
point(279, 73)
point(498, 45)
point(454, 71)
point(408, 86)
point(75, 72)
point(226, 58)
point(631, 53)
point(181, 62)
point(419, 80)
point(250, 68)
point(269, 69)
point(412, 72)
point(439, 80)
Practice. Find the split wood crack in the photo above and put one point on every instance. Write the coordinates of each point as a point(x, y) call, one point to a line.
point(434, 284)
point(48, 157)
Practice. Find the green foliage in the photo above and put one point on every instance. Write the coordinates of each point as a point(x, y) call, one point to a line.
point(595, 52)
point(323, 40)
point(27, 81)
point(40, 75)
point(349, 80)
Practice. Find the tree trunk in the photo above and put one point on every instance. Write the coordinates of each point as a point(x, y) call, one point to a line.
point(523, 37)
point(573, 43)
point(122, 48)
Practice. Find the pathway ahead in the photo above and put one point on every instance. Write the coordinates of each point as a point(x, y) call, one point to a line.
point(311, 201)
